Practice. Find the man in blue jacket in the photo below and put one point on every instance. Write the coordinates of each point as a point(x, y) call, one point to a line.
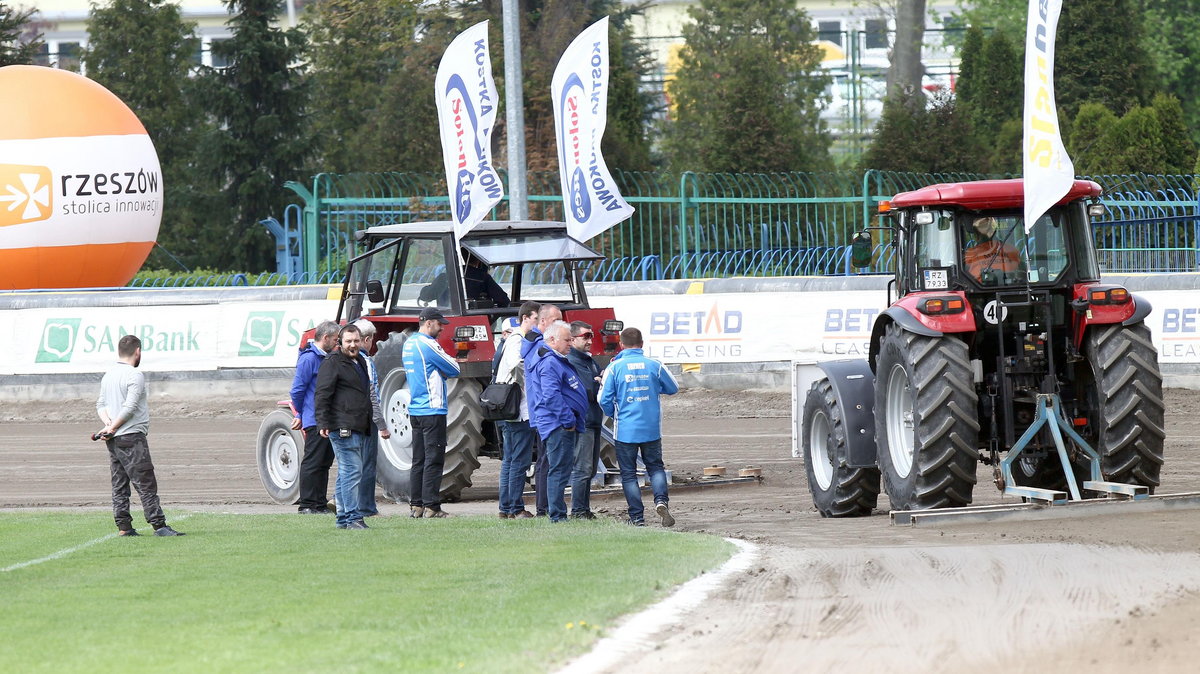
point(427, 366)
point(587, 447)
point(629, 394)
point(318, 452)
point(560, 409)
point(547, 314)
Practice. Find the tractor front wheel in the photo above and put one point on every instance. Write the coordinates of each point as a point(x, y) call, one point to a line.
point(837, 489)
point(926, 420)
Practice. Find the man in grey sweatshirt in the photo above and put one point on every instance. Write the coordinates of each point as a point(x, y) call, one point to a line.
point(126, 415)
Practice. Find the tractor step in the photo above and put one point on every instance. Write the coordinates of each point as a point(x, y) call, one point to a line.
point(1043, 510)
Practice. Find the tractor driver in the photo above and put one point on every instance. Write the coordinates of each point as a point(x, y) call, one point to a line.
point(987, 253)
point(479, 285)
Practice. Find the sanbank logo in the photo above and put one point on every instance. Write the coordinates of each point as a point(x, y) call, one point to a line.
point(261, 333)
point(58, 340)
point(25, 194)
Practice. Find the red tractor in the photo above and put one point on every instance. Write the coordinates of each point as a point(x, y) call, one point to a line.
point(407, 267)
point(1003, 343)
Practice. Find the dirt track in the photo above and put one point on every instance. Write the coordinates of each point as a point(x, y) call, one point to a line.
point(1106, 593)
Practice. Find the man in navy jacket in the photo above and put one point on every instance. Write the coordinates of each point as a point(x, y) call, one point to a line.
point(629, 394)
point(318, 452)
point(547, 314)
point(560, 408)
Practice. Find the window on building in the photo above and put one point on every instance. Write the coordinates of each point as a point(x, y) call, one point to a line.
point(218, 60)
point(68, 56)
point(830, 31)
point(42, 56)
point(876, 33)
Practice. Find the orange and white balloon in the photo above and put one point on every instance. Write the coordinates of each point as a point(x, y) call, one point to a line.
point(81, 192)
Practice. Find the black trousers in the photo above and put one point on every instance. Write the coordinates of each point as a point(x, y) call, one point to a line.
point(541, 474)
point(129, 461)
point(429, 456)
point(314, 470)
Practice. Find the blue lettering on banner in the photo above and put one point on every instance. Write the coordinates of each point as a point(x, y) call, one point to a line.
point(692, 323)
point(845, 330)
point(1180, 320)
point(572, 145)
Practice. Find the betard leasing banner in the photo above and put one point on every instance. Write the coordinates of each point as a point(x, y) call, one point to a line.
point(466, 104)
point(1047, 169)
point(579, 91)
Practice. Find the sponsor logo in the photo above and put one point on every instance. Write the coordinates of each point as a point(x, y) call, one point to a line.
point(260, 335)
point(25, 194)
point(580, 202)
point(848, 331)
point(467, 133)
point(58, 340)
point(680, 335)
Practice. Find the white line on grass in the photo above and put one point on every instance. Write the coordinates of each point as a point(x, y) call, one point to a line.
point(636, 633)
point(66, 551)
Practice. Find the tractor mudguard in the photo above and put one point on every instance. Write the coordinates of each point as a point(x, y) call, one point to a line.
point(1141, 309)
point(854, 385)
point(895, 314)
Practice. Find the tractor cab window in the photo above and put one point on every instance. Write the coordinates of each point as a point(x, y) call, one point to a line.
point(424, 279)
point(997, 251)
point(935, 248)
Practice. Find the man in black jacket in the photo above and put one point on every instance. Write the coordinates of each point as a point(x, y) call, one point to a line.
point(343, 410)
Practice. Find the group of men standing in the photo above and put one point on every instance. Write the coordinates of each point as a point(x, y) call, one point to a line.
point(563, 394)
point(335, 396)
point(564, 397)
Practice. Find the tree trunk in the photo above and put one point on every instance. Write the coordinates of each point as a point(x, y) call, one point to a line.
point(906, 69)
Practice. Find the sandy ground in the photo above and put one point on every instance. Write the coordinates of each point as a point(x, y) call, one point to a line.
point(1102, 592)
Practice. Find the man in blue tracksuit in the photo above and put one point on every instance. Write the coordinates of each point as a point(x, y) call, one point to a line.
point(318, 452)
point(426, 366)
point(547, 314)
point(560, 408)
point(629, 394)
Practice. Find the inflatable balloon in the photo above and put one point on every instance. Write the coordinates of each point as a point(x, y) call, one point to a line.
point(81, 191)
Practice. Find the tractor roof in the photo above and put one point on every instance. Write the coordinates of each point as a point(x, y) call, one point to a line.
point(984, 194)
point(487, 227)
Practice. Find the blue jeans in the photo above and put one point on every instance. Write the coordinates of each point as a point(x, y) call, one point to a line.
point(518, 452)
point(587, 454)
point(349, 454)
point(560, 455)
point(366, 497)
point(627, 454)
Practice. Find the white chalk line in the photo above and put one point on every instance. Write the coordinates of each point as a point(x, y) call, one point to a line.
point(66, 551)
point(637, 633)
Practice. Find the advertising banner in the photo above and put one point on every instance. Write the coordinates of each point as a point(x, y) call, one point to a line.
point(466, 104)
point(1048, 170)
point(174, 338)
point(579, 89)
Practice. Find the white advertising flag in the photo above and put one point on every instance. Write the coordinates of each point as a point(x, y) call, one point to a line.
point(466, 103)
point(1048, 170)
point(580, 91)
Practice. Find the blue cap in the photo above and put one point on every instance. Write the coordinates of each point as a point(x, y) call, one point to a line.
point(512, 322)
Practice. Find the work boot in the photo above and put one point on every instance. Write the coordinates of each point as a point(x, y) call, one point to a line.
point(416, 512)
point(165, 530)
point(436, 512)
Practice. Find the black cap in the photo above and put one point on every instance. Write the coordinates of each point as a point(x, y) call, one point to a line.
point(431, 314)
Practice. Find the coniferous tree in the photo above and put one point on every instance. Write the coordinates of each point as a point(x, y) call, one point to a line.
point(747, 95)
point(143, 51)
point(1099, 56)
point(259, 101)
point(18, 42)
point(1170, 31)
point(1177, 142)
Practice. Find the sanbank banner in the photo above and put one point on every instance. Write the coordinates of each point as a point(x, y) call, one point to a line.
point(174, 338)
point(579, 91)
point(466, 104)
point(1047, 169)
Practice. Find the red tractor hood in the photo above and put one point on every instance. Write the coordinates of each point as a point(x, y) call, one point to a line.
point(985, 194)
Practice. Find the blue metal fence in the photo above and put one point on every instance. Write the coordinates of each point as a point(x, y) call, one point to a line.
point(717, 225)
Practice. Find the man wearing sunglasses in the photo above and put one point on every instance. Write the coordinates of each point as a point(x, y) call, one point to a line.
point(587, 446)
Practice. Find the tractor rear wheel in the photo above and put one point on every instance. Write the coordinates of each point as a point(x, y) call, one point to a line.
point(1126, 391)
point(837, 489)
point(464, 423)
point(926, 420)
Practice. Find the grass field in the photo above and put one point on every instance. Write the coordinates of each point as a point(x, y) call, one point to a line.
point(290, 593)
